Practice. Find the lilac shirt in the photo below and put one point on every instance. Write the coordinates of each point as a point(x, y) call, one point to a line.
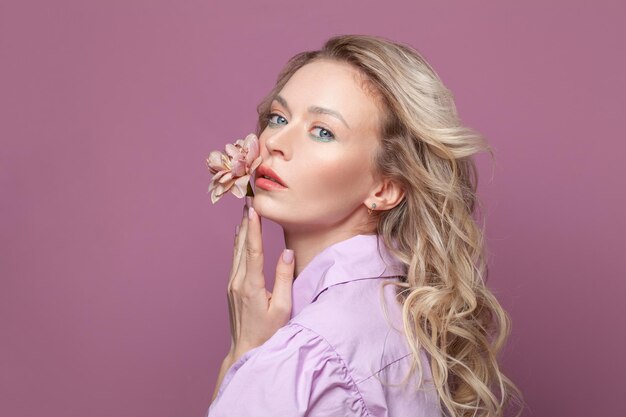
point(334, 354)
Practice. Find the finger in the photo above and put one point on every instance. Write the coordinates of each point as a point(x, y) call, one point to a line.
point(281, 294)
point(231, 317)
point(240, 270)
point(240, 233)
point(235, 263)
point(254, 251)
point(249, 202)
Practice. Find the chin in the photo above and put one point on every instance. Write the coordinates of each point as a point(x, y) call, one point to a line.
point(266, 209)
point(274, 214)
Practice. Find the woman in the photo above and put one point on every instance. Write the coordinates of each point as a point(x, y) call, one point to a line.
point(388, 313)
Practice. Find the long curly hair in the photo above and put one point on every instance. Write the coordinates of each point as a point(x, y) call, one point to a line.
point(447, 309)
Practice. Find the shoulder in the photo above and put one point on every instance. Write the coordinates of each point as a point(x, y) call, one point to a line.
point(329, 360)
point(362, 321)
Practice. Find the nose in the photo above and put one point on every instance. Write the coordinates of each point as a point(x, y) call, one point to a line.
point(277, 142)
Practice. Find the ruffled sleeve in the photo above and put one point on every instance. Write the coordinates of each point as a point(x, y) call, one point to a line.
point(294, 373)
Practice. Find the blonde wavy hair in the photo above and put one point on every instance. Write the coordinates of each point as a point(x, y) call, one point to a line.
point(446, 307)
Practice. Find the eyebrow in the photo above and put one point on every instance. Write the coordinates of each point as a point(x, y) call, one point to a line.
point(314, 109)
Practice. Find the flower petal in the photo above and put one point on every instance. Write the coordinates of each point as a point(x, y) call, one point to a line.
point(221, 189)
point(239, 168)
point(229, 184)
point(232, 170)
point(226, 177)
point(233, 151)
point(215, 196)
point(251, 146)
point(219, 175)
point(217, 192)
point(215, 162)
point(255, 164)
point(241, 186)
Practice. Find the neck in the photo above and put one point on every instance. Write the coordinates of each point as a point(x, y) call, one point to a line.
point(307, 244)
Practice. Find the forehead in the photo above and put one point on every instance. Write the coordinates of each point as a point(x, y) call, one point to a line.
point(335, 85)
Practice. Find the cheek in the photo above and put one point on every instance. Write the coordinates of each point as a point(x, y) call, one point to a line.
point(341, 177)
point(262, 146)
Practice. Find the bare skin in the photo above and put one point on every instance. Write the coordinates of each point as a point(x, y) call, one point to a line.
point(255, 313)
point(327, 167)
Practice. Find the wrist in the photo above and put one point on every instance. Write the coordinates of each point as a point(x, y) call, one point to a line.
point(226, 364)
point(228, 361)
point(234, 355)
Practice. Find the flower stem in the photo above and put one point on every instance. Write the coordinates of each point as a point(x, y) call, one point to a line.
point(250, 192)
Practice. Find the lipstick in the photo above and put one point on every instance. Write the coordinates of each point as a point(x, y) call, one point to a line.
point(272, 182)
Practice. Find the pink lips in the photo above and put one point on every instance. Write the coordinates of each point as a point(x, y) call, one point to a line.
point(268, 185)
point(263, 170)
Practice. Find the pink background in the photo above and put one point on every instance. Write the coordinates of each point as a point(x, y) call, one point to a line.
point(114, 262)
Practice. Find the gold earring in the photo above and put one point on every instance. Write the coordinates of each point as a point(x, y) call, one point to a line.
point(369, 210)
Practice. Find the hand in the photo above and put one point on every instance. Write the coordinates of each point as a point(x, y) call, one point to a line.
point(255, 313)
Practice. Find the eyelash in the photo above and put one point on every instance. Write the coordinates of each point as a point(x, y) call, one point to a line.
point(321, 139)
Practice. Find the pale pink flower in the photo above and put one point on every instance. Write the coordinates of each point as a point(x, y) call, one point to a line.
point(232, 171)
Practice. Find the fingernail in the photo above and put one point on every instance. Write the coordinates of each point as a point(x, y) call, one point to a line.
point(250, 212)
point(237, 230)
point(288, 255)
point(249, 201)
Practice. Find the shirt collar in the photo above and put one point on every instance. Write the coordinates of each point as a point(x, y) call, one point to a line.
point(355, 258)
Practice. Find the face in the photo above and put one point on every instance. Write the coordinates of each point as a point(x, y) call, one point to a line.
point(324, 160)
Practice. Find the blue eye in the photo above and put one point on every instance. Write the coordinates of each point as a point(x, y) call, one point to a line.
point(270, 116)
point(328, 136)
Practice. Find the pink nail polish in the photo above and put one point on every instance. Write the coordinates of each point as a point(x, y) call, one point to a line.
point(288, 255)
point(250, 212)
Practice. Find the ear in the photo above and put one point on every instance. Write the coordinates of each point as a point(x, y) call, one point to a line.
point(386, 195)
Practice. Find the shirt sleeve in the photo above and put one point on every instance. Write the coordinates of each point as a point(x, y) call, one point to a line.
point(294, 373)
